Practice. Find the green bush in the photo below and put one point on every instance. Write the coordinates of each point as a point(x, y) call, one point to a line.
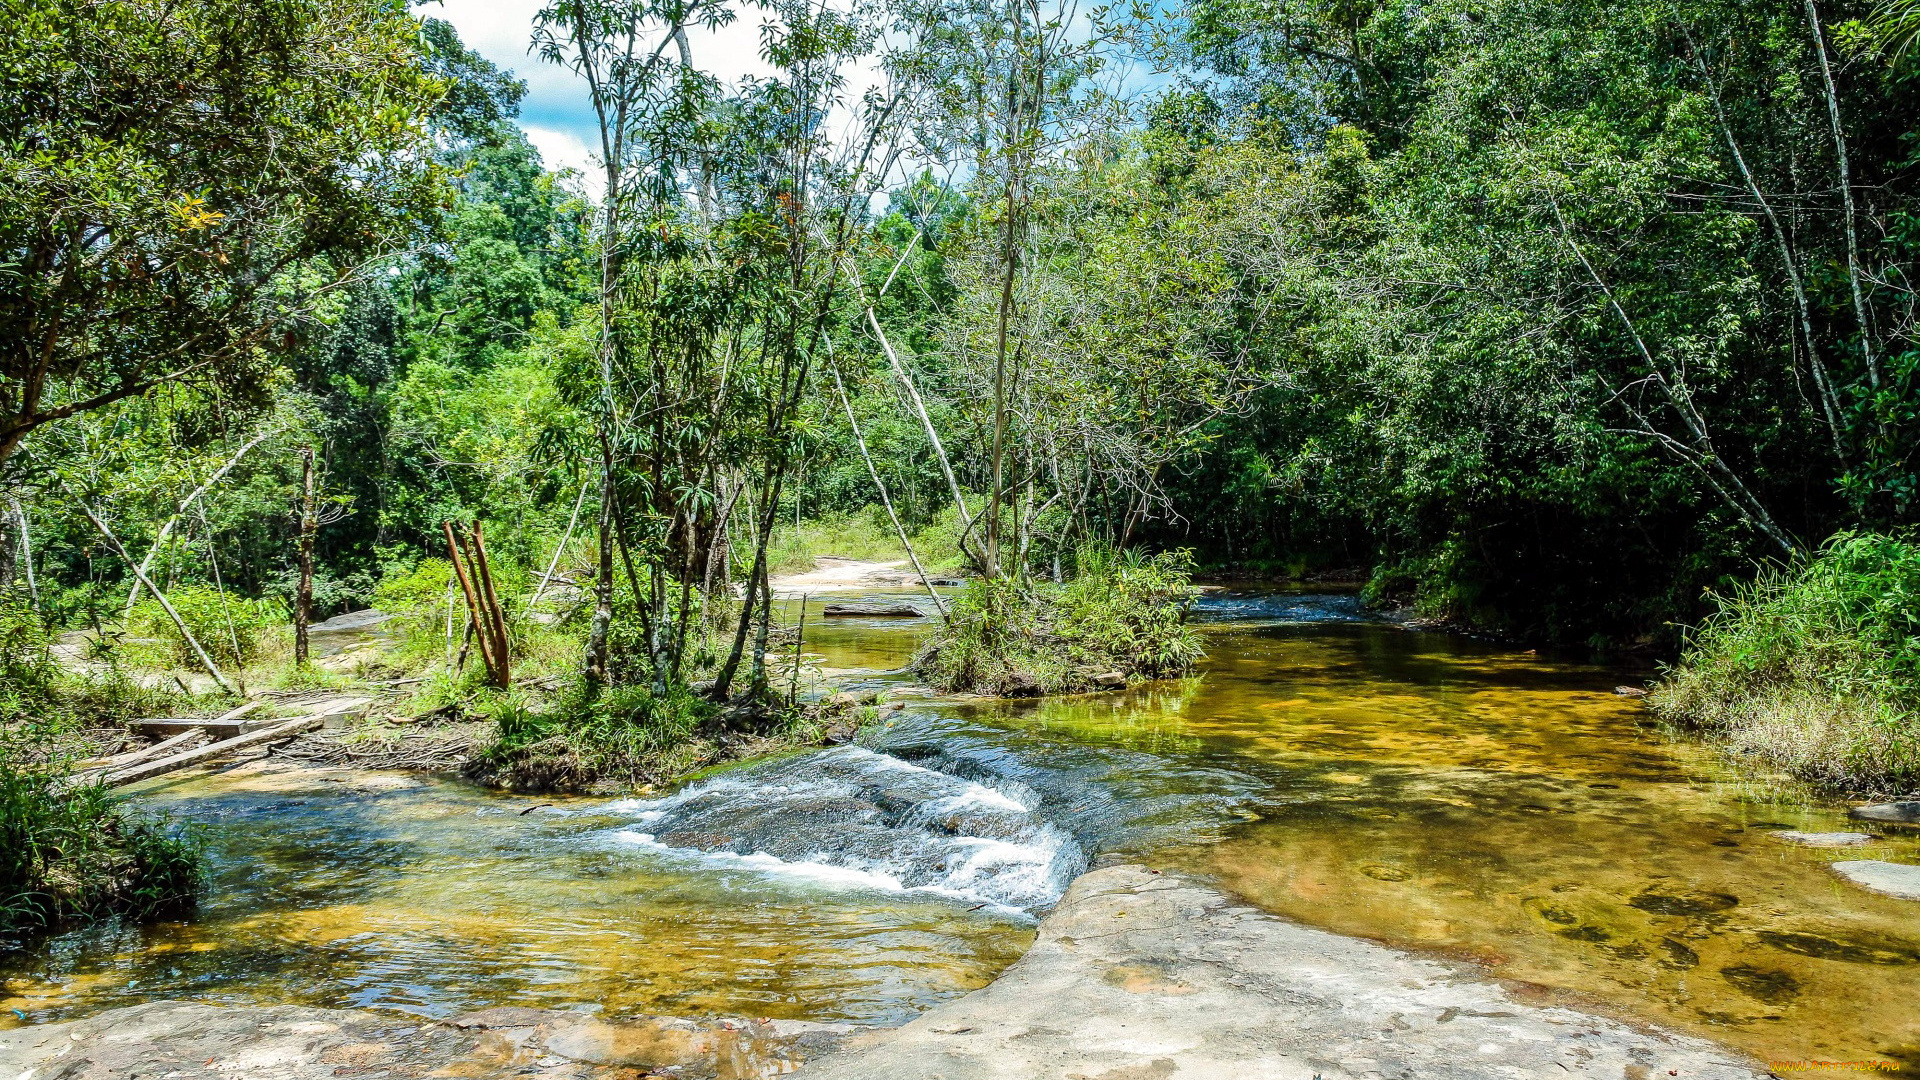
point(74, 852)
point(1120, 612)
point(625, 734)
point(222, 625)
point(1814, 670)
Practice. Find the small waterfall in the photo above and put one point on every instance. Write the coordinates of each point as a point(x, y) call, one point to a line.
point(856, 818)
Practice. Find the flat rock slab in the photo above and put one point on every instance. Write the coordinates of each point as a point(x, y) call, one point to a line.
point(1893, 879)
point(1138, 976)
point(1901, 812)
point(190, 1041)
point(1823, 839)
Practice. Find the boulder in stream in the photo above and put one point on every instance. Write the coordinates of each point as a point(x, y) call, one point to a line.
point(1898, 812)
point(1822, 839)
point(1145, 976)
point(1891, 879)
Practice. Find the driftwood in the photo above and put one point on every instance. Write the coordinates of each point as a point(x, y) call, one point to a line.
point(873, 611)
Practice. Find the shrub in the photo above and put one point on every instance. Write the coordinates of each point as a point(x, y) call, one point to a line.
point(624, 734)
point(223, 625)
point(74, 852)
point(1814, 670)
point(1120, 612)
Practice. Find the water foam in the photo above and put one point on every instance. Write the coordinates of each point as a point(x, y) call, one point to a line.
point(855, 819)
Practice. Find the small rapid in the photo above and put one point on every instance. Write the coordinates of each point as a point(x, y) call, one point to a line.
point(851, 817)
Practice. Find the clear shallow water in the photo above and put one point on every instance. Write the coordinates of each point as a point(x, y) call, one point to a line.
point(1498, 808)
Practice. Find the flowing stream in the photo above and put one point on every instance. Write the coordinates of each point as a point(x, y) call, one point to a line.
point(1501, 809)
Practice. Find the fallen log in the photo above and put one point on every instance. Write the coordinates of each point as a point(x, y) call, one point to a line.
point(873, 611)
point(287, 730)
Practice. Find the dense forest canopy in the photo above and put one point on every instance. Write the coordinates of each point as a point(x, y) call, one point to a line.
point(1543, 316)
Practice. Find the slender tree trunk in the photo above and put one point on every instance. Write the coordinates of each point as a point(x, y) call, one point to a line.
point(303, 594)
point(166, 529)
point(886, 500)
point(1846, 196)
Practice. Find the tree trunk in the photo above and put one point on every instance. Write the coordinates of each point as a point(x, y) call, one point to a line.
point(303, 595)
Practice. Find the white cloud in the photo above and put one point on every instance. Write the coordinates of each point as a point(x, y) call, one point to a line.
point(566, 150)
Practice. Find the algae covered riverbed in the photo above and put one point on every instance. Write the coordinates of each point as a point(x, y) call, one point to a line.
point(1421, 789)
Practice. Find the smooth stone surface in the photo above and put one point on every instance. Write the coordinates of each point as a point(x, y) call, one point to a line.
point(1140, 976)
point(1893, 879)
point(181, 1040)
point(1903, 811)
point(1823, 839)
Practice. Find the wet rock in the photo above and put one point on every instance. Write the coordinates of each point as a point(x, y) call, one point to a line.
point(1849, 951)
point(1892, 879)
point(500, 1016)
point(872, 611)
point(191, 1041)
point(1686, 904)
point(1900, 812)
point(1139, 975)
point(1024, 685)
point(1109, 680)
point(1823, 839)
point(1762, 984)
point(853, 699)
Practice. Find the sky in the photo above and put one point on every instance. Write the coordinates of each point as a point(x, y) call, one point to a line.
point(556, 115)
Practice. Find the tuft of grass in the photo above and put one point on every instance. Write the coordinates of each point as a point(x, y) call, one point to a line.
point(622, 735)
point(76, 852)
point(1120, 612)
point(1813, 670)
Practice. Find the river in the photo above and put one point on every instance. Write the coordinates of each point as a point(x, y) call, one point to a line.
point(1466, 799)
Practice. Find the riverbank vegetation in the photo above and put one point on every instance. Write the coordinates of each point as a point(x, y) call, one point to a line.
point(1119, 618)
point(1814, 671)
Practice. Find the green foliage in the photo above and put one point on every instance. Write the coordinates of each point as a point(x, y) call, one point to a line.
point(1815, 669)
point(76, 852)
point(230, 628)
point(185, 183)
point(623, 735)
point(1121, 612)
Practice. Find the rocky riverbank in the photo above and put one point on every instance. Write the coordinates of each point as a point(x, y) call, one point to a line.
point(1136, 975)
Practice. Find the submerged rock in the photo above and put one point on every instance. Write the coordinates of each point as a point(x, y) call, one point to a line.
point(1900, 812)
point(1892, 879)
point(1823, 839)
point(1143, 976)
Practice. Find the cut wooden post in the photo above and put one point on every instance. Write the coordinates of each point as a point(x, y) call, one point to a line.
point(497, 620)
point(466, 589)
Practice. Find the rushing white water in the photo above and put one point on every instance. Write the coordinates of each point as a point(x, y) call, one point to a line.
point(852, 818)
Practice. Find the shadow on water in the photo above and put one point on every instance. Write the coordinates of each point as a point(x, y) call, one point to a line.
point(1498, 808)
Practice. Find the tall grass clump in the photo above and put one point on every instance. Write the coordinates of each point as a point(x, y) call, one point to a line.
point(68, 851)
point(1814, 670)
point(75, 852)
point(619, 736)
point(1121, 612)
